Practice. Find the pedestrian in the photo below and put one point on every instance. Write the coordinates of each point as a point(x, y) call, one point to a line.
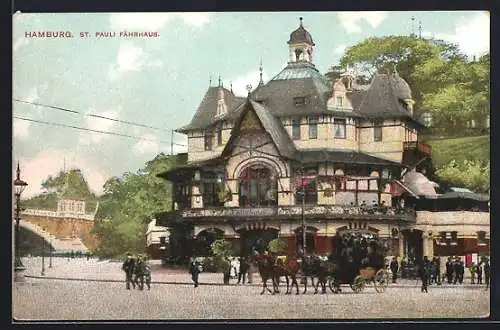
point(480, 271)
point(458, 268)
point(394, 269)
point(128, 267)
point(243, 270)
point(435, 271)
point(473, 271)
point(449, 270)
point(424, 272)
point(139, 272)
point(486, 272)
point(147, 275)
point(194, 270)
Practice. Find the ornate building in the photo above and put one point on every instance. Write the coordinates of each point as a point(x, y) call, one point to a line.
point(301, 159)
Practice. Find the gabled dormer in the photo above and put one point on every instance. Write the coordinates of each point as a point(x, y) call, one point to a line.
point(339, 100)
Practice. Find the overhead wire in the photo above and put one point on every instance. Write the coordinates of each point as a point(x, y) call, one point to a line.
point(95, 116)
point(95, 130)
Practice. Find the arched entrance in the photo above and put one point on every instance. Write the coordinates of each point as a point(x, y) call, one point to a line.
point(413, 244)
point(205, 239)
point(256, 240)
point(257, 186)
point(310, 240)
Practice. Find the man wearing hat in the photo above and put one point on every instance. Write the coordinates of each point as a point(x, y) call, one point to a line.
point(449, 270)
point(424, 272)
point(139, 272)
point(128, 267)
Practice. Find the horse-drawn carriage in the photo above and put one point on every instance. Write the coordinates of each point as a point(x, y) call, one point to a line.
point(360, 260)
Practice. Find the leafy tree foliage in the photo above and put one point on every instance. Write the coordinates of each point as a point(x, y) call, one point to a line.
point(277, 245)
point(442, 80)
point(127, 204)
point(221, 248)
point(69, 184)
point(474, 175)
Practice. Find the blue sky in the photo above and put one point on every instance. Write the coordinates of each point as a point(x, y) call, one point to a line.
point(160, 81)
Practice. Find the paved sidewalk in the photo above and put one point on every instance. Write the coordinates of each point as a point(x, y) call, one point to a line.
point(110, 271)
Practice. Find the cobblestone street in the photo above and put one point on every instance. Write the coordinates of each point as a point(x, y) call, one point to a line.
point(52, 299)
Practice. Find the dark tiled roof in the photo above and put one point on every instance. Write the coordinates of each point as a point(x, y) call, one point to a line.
point(207, 110)
point(300, 35)
point(382, 98)
point(313, 156)
point(275, 128)
point(172, 173)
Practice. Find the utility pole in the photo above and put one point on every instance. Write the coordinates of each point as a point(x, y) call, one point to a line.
point(172, 144)
point(304, 236)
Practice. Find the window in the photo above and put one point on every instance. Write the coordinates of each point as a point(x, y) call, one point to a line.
point(377, 130)
point(219, 136)
point(258, 187)
point(454, 238)
point(299, 101)
point(296, 129)
point(313, 127)
point(208, 140)
point(338, 101)
point(306, 186)
point(339, 128)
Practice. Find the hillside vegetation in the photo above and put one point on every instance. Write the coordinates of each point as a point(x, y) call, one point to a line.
point(460, 149)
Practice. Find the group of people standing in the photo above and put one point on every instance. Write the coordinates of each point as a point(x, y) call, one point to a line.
point(137, 272)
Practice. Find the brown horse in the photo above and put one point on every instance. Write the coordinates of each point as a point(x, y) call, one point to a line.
point(265, 263)
point(288, 268)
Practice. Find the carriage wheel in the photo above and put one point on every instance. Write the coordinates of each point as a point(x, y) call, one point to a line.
point(381, 280)
point(358, 284)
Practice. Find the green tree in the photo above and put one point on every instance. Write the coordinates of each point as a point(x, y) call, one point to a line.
point(127, 204)
point(277, 245)
point(471, 174)
point(221, 248)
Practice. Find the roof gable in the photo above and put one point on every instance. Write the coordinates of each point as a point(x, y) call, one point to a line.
point(256, 117)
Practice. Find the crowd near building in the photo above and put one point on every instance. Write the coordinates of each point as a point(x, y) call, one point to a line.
point(304, 159)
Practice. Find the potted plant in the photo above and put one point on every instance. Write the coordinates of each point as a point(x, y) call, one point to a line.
point(224, 193)
point(328, 192)
point(272, 194)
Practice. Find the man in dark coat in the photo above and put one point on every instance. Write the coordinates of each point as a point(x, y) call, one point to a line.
point(140, 266)
point(128, 267)
point(424, 273)
point(244, 266)
point(487, 273)
point(449, 270)
point(435, 271)
point(194, 270)
point(394, 269)
point(458, 271)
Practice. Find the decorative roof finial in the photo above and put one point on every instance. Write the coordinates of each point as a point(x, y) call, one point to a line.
point(300, 18)
point(210, 81)
point(231, 84)
point(219, 81)
point(18, 172)
point(249, 89)
point(420, 29)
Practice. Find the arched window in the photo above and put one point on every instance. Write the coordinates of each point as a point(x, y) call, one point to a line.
point(258, 186)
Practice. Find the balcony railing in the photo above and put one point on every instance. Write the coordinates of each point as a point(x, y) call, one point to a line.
point(419, 146)
point(310, 211)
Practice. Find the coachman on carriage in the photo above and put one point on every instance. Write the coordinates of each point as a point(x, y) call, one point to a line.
point(358, 259)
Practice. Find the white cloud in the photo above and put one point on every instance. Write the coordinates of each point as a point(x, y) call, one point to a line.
point(154, 21)
point(472, 35)
point(351, 20)
point(240, 83)
point(147, 144)
point(20, 128)
point(131, 58)
point(36, 169)
point(99, 124)
point(340, 49)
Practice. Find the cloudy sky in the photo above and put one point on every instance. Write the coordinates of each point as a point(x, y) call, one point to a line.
point(160, 81)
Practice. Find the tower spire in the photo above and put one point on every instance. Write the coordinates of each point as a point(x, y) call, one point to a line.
point(412, 26)
point(219, 81)
point(261, 81)
point(210, 81)
point(231, 85)
point(300, 18)
point(420, 29)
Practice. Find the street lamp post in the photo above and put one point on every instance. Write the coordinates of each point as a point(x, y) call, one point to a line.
point(50, 252)
point(43, 257)
point(304, 236)
point(19, 186)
